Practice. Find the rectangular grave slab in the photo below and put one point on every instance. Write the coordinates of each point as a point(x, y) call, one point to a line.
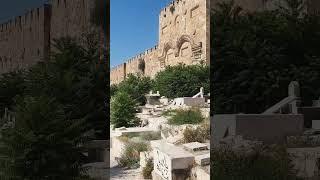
point(169, 159)
point(203, 160)
point(195, 146)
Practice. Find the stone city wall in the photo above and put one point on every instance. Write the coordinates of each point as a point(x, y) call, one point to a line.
point(26, 39)
point(183, 38)
point(23, 40)
point(70, 17)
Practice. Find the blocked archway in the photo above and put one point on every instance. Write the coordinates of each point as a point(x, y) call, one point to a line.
point(168, 47)
point(182, 40)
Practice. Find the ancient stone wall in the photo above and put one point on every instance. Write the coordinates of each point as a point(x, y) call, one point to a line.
point(183, 38)
point(23, 39)
point(118, 73)
point(27, 39)
point(70, 18)
point(182, 33)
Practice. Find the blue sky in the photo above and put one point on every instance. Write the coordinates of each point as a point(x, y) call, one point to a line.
point(134, 27)
point(13, 8)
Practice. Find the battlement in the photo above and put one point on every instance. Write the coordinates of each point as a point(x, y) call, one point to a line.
point(173, 3)
point(143, 54)
point(26, 19)
point(172, 7)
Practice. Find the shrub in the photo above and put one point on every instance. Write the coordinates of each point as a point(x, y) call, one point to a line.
point(257, 54)
point(123, 109)
point(136, 86)
point(182, 80)
point(147, 171)
point(113, 89)
point(149, 136)
point(145, 136)
point(200, 134)
point(11, 85)
point(189, 116)
point(42, 143)
point(131, 155)
point(263, 163)
point(168, 112)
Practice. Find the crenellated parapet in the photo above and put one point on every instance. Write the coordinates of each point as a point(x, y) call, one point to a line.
point(26, 39)
point(23, 39)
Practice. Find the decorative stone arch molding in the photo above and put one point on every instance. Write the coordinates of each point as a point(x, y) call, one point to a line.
point(183, 39)
point(167, 46)
point(195, 48)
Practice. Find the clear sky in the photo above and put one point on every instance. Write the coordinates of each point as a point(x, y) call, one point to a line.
point(13, 8)
point(134, 27)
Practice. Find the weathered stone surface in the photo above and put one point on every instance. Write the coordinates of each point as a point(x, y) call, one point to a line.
point(187, 101)
point(144, 157)
point(26, 39)
point(195, 146)
point(203, 159)
point(169, 160)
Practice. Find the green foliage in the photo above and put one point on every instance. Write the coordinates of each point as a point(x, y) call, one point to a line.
point(147, 170)
point(257, 54)
point(150, 136)
point(188, 116)
point(263, 163)
point(136, 86)
point(199, 134)
point(182, 80)
point(144, 136)
point(43, 143)
point(113, 89)
point(59, 104)
point(168, 112)
point(131, 155)
point(11, 85)
point(76, 78)
point(123, 109)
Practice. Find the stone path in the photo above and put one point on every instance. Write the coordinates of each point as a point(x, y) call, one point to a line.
point(117, 173)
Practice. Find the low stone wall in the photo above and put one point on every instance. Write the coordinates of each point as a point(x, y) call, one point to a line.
point(257, 126)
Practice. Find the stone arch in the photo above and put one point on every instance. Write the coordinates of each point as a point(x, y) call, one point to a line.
point(185, 50)
point(167, 46)
point(183, 39)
